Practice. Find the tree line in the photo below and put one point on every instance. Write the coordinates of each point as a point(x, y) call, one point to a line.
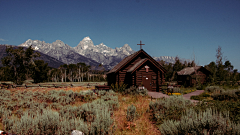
point(21, 64)
point(221, 71)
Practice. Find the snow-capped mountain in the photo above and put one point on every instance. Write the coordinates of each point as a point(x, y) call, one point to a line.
point(52, 62)
point(102, 53)
point(87, 52)
point(170, 59)
point(87, 45)
point(60, 51)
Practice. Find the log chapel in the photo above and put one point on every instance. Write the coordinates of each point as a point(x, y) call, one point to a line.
point(138, 69)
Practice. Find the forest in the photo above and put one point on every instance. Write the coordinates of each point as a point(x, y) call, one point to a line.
point(22, 64)
point(222, 72)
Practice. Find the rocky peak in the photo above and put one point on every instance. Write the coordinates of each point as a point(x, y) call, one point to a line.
point(127, 47)
point(87, 38)
point(84, 44)
point(58, 43)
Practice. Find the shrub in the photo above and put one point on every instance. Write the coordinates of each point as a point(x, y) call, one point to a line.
point(5, 93)
point(177, 90)
point(91, 118)
point(226, 95)
point(201, 87)
point(133, 90)
point(109, 100)
point(214, 89)
point(206, 122)
point(168, 108)
point(118, 87)
point(201, 96)
point(131, 113)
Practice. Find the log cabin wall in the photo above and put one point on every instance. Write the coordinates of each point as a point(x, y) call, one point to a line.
point(111, 79)
point(125, 77)
point(133, 66)
point(189, 76)
point(152, 72)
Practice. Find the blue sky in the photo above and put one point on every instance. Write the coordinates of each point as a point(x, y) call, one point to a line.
point(181, 28)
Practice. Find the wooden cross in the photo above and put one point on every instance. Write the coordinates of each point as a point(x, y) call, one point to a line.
point(140, 44)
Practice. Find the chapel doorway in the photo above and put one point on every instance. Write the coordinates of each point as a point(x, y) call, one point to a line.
point(147, 79)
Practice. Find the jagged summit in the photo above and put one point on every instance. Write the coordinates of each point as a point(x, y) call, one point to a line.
point(86, 46)
point(86, 52)
point(87, 38)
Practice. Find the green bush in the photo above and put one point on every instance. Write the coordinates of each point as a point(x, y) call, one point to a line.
point(177, 90)
point(109, 100)
point(133, 90)
point(206, 122)
point(214, 89)
point(91, 118)
point(226, 95)
point(131, 113)
point(233, 107)
point(5, 93)
point(168, 108)
point(118, 87)
point(202, 96)
point(201, 87)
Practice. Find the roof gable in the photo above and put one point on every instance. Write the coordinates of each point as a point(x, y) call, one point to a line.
point(132, 56)
point(190, 70)
point(140, 63)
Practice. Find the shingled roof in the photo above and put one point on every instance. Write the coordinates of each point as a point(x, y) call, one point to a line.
point(137, 64)
point(128, 59)
point(121, 63)
point(188, 70)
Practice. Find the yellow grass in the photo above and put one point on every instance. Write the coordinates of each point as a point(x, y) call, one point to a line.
point(142, 125)
point(45, 90)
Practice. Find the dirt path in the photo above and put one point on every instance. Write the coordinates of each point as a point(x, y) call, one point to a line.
point(186, 96)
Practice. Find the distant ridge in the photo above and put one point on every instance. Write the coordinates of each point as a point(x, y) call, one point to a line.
point(52, 62)
point(88, 53)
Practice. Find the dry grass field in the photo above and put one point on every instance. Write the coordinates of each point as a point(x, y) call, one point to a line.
point(141, 125)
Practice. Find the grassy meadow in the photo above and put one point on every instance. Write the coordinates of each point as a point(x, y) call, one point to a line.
point(41, 110)
point(17, 101)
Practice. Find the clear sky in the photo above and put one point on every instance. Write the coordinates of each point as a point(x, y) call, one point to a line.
point(181, 28)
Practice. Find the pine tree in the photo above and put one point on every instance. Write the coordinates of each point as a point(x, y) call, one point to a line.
point(19, 61)
point(40, 71)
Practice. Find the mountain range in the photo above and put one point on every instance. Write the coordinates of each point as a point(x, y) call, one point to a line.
point(85, 51)
point(52, 62)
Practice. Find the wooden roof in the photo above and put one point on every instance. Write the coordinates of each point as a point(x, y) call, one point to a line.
point(137, 64)
point(189, 70)
point(132, 56)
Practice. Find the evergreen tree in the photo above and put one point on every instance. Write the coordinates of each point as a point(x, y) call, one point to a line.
point(212, 67)
point(19, 61)
point(176, 67)
point(40, 71)
point(6, 74)
point(228, 71)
